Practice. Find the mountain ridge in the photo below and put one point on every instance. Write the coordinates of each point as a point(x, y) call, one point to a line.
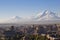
point(46, 16)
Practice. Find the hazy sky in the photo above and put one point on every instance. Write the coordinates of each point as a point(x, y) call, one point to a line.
point(9, 8)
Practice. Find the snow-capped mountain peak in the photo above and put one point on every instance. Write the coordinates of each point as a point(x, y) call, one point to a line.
point(46, 12)
point(15, 17)
point(47, 15)
point(44, 17)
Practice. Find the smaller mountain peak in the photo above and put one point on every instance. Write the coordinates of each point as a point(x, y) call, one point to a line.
point(15, 17)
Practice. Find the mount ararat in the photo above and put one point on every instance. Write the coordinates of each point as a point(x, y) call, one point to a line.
point(46, 17)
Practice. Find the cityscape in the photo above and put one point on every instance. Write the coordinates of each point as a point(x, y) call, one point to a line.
point(30, 32)
point(29, 19)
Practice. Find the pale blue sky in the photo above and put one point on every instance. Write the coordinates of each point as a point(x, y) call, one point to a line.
point(24, 8)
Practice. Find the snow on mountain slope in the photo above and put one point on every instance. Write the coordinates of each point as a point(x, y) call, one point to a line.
point(47, 15)
point(15, 17)
point(44, 17)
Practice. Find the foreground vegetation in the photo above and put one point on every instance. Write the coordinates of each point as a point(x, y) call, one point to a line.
point(25, 37)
